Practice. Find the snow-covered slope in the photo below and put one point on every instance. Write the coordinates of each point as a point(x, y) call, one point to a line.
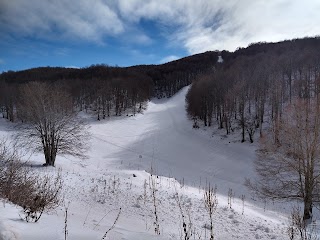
point(164, 138)
point(161, 139)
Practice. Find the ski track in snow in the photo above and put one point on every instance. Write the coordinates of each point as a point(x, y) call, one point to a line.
point(187, 160)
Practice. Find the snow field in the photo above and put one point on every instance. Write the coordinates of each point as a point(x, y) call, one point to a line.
point(183, 162)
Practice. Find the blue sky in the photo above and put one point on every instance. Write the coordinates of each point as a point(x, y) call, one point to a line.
point(128, 32)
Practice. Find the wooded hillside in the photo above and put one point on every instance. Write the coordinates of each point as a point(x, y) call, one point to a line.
point(253, 82)
point(108, 90)
point(233, 94)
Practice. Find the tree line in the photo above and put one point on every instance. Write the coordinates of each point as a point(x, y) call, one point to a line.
point(273, 89)
point(255, 84)
point(105, 90)
point(46, 101)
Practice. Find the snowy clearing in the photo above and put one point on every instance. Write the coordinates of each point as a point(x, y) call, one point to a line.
point(116, 175)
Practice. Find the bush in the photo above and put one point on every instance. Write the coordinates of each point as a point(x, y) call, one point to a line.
point(18, 184)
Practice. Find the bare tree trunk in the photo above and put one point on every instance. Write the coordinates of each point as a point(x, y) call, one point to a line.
point(242, 122)
point(307, 212)
point(50, 157)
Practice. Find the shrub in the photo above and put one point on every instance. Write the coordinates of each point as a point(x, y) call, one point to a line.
point(21, 186)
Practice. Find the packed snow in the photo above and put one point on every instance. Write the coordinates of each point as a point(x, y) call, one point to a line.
point(220, 59)
point(124, 152)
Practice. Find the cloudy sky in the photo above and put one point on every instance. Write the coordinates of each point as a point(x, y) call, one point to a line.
point(128, 32)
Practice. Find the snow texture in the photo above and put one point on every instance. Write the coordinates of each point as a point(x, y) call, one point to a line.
point(182, 160)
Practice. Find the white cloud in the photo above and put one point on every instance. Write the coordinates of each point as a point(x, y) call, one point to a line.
point(218, 24)
point(196, 25)
point(82, 19)
point(169, 59)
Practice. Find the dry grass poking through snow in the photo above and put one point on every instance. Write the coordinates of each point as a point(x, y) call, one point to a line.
point(181, 211)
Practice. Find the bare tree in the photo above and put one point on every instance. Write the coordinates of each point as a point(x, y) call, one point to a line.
point(185, 217)
point(211, 203)
point(298, 229)
point(289, 168)
point(112, 227)
point(153, 189)
point(49, 123)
